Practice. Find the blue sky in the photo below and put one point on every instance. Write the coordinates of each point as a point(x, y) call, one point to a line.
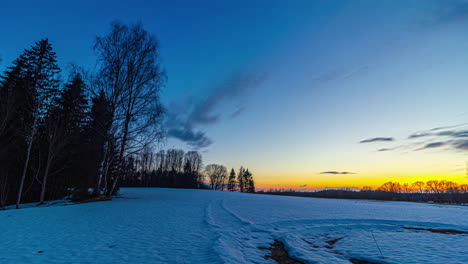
point(288, 88)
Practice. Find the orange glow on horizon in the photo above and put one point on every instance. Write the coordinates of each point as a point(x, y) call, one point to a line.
point(316, 184)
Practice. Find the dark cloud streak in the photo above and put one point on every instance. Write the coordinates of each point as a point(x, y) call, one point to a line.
point(183, 124)
point(377, 139)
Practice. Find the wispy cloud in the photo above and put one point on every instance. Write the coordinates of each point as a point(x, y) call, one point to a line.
point(336, 172)
point(377, 139)
point(445, 136)
point(302, 186)
point(385, 149)
point(184, 124)
point(237, 112)
point(432, 145)
point(419, 135)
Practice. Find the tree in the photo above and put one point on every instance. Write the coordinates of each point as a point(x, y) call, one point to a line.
point(100, 145)
point(418, 185)
point(232, 181)
point(390, 187)
point(240, 179)
point(250, 184)
point(64, 124)
point(131, 76)
point(39, 70)
point(217, 174)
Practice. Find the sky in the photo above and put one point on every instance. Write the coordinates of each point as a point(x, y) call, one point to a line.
point(306, 94)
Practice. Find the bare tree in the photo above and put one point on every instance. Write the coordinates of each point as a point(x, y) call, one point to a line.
point(419, 185)
point(132, 77)
point(217, 175)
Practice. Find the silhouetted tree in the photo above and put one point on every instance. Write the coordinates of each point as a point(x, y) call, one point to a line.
point(39, 70)
point(217, 174)
point(232, 181)
point(250, 186)
point(131, 76)
point(240, 179)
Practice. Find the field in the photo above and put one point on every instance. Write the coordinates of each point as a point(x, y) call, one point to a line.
point(201, 226)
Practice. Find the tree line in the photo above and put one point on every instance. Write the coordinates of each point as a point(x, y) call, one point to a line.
point(438, 191)
point(175, 168)
point(91, 133)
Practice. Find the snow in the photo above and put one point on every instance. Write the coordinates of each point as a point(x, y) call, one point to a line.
point(201, 226)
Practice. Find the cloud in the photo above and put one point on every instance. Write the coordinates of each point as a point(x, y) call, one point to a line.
point(184, 123)
point(460, 145)
point(238, 112)
point(385, 149)
point(377, 139)
point(454, 133)
point(301, 186)
point(196, 139)
point(419, 135)
point(433, 145)
point(336, 172)
point(233, 89)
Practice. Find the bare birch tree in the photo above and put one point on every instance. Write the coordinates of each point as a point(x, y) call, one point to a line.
point(131, 76)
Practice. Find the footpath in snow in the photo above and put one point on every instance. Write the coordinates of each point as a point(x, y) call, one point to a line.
point(201, 226)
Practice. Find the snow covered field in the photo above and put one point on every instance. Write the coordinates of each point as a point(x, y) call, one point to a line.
point(200, 226)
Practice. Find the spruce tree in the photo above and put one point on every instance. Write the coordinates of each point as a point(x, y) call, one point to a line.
point(39, 73)
point(64, 133)
point(232, 181)
point(240, 179)
point(249, 182)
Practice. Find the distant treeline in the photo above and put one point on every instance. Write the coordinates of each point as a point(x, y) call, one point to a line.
point(86, 136)
point(175, 168)
point(431, 191)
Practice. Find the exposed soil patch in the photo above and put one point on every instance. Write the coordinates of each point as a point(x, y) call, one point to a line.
point(94, 199)
point(440, 231)
point(333, 241)
point(361, 261)
point(279, 254)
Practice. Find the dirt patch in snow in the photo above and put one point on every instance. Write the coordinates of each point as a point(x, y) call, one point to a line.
point(95, 199)
point(333, 241)
point(279, 254)
point(440, 231)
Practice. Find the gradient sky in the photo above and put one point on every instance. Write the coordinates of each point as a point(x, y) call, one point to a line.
point(289, 89)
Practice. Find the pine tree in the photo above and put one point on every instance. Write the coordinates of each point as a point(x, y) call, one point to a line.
point(240, 179)
point(249, 182)
point(232, 181)
point(64, 133)
point(39, 70)
point(15, 116)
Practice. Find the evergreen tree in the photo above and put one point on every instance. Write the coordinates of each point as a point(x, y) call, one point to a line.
point(64, 132)
point(38, 70)
point(240, 179)
point(232, 181)
point(250, 184)
point(15, 117)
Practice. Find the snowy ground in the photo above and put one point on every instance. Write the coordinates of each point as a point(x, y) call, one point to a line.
point(200, 226)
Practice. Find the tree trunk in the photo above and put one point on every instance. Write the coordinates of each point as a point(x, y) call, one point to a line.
point(26, 162)
point(97, 186)
point(121, 154)
point(44, 181)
